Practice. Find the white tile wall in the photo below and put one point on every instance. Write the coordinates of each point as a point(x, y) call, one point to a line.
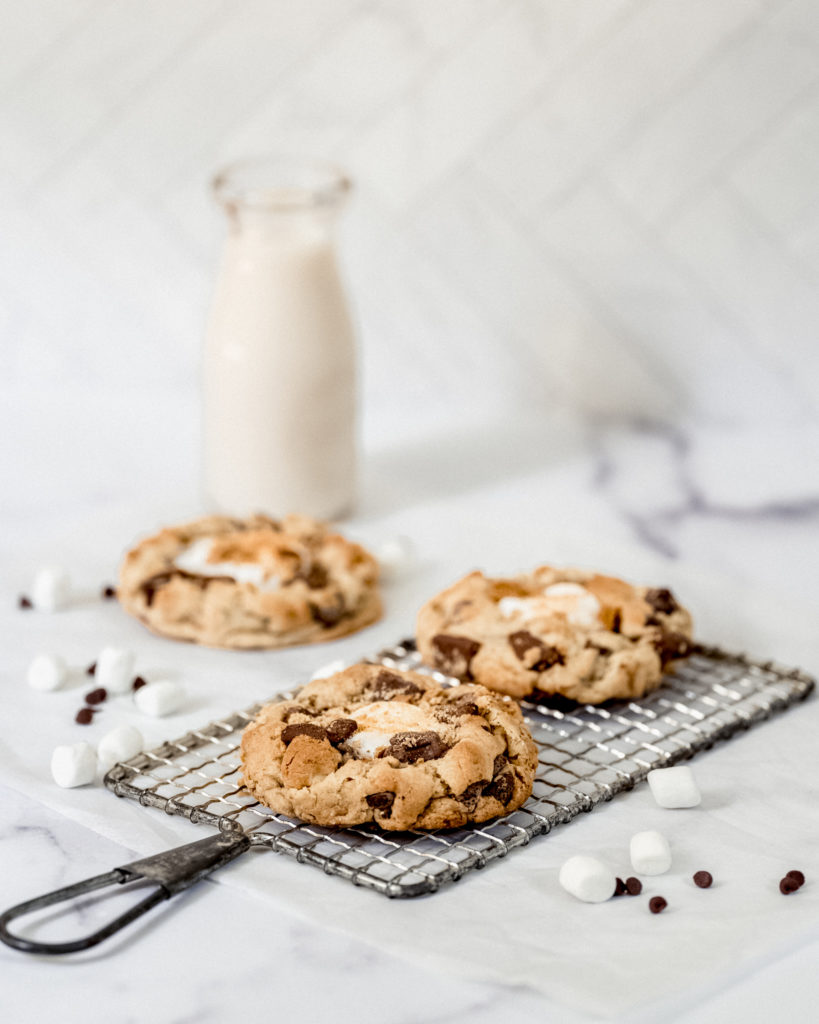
point(611, 203)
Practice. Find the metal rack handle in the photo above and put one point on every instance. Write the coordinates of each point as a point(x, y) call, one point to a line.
point(172, 872)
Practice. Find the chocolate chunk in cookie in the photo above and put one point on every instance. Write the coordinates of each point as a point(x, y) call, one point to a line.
point(501, 788)
point(672, 645)
point(330, 613)
point(661, 600)
point(537, 655)
point(389, 684)
point(340, 730)
point(381, 802)
point(454, 654)
point(409, 747)
point(290, 732)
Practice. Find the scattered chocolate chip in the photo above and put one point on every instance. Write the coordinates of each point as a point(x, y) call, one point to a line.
point(108, 593)
point(634, 886)
point(657, 904)
point(788, 885)
point(290, 732)
point(96, 696)
point(501, 788)
point(501, 761)
point(389, 684)
point(797, 876)
point(92, 669)
point(703, 879)
point(84, 716)
point(620, 887)
point(409, 747)
point(24, 602)
point(661, 600)
point(382, 802)
point(522, 642)
point(671, 645)
point(329, 614)
point(341, 729)
point(454, 654)
point(138, 683)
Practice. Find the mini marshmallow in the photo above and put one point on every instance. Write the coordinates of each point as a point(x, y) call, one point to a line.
point(160, 698)
point(650, 853)
point(674, 787)
point(74, 765)
point(51, 589)
point(328, 670)
point(115, 669)
point(588, 879)
point(47, 672)
point(120, 744)
point(395, 557)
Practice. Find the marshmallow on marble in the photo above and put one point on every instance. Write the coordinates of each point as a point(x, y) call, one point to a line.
point(395, 557)
point(115, 669)
point(74, 764)
point(650, 853)
point(160, 698)
point(674, 787)
point(120, 744)
point(328, 670)
point(588, 879)
point(51, 589)
point(47, 672)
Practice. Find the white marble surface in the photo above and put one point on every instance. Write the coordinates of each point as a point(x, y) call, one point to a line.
point(651, 502)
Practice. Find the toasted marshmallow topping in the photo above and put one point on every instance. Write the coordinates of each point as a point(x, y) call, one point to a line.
point(196, 558)
point(578, 605)
point(379, 722)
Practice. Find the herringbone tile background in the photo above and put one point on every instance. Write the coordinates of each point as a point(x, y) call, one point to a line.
point(607, 203)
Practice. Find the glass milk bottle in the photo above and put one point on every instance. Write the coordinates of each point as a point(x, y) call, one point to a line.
point(279, 368)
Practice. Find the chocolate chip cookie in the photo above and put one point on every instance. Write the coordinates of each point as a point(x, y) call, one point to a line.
point(250, 583)
point(585, 636)
point(392, 747)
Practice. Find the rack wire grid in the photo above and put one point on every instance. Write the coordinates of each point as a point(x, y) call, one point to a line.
point(587, 754)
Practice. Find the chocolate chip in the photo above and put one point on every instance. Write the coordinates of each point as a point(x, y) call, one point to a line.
point(299, 709)
point(290, 732)
point(616, 622)
point(138, 683)
point(84, 716)
point(657, 904)
point(473, 791)
point(634, 886)
point(619, 887)
point(150, 586)
point(329, 614)
point(108, 593)
point(788, 885)
point(501, 761)
point(797, 876)
point(382, 802)
point(545, 655)
point(501, 788)
point(24, 602)
point(317, 577)
point(340, 730)
point(92, 669)
point(672, 645)
point(454, 654)
point(389, 684)
point(661, 600)
point(96, 696)
point(409, 747)
point(703, 879)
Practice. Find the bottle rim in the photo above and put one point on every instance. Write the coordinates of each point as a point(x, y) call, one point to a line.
point(279, 182)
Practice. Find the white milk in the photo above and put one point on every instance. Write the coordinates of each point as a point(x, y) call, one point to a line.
point(279, 372)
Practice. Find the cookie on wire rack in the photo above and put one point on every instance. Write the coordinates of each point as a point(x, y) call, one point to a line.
point(372, 744)
point(579, 634)
point(250, 583)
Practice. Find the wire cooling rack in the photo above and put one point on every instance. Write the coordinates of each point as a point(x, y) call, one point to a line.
point(588, 754)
